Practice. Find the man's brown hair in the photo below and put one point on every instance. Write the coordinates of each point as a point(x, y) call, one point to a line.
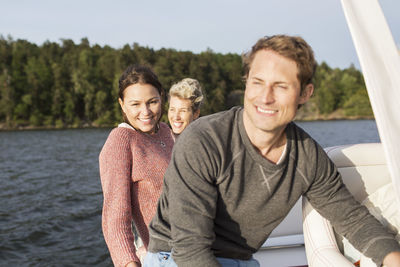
point(292, 47)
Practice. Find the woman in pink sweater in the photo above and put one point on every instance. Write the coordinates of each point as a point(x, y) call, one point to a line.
point(132, 165)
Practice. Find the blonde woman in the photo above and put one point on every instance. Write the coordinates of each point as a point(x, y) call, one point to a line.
point(185, 99)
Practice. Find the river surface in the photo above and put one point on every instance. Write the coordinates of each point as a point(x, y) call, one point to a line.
point(51, 198)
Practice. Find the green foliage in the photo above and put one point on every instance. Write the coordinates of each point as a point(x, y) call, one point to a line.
point(6, 98)
point(75, 85)
point(358, 105)
point(341, 90)
point(36, 118)
point(59, 124)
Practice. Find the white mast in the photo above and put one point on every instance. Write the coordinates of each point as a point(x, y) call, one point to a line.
point(380, 63)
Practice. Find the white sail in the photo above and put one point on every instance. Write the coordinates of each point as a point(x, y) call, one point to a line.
point(380, 64)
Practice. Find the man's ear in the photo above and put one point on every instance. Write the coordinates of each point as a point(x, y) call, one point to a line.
point(306, 93)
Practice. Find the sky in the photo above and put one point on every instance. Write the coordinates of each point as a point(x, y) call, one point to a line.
point(224, 26)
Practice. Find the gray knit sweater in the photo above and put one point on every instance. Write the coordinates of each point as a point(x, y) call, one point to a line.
point(221, 198)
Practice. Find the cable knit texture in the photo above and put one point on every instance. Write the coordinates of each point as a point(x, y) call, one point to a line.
point(132, 166)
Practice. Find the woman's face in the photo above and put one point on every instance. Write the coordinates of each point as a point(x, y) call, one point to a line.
point(180, 113)
point(142, 106)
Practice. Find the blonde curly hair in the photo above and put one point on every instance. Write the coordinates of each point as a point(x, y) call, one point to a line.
point(188, 88)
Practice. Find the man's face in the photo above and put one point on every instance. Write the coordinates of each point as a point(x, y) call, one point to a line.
point(272, 94)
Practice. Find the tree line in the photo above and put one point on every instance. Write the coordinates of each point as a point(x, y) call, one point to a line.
point(76, 85)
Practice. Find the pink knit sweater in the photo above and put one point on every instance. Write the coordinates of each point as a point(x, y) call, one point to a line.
point(132, 166)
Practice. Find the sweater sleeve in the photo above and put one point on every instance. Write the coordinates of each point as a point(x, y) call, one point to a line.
point(331, 198)
point(115, 162)
point(192, 198)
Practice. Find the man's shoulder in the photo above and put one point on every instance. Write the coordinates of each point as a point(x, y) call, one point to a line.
point(214, 127)
point(219, 119)
point(304, 143)
point(299, 134)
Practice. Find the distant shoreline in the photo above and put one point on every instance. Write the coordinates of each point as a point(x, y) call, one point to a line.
point(330, 117)
point(30, 127)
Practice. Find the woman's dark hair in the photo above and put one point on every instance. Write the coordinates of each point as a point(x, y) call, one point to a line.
point(139, 74)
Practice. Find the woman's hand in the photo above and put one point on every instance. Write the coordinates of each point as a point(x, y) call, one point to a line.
point(141, 253)
point(392, 259)
point(133, 264)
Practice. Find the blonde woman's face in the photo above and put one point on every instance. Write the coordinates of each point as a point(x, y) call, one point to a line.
point(180, 113)
point(142, 106)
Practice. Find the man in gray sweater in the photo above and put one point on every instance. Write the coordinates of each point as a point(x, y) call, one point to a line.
point(235, 175)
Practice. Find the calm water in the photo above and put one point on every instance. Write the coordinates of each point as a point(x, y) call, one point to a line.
point(51, 199)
